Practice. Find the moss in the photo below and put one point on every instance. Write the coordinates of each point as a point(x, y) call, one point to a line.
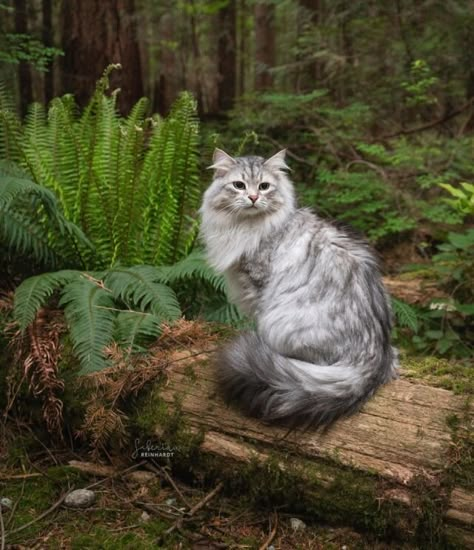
point(151, 417)
point(456, 376)
point(99, 537)
point(34, 496)
point(461, 460)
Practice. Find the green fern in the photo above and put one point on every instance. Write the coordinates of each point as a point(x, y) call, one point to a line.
point(131, 184)
point(139, 287)
point(94, 307)
point(31, 221)
point(34, 292)
point(135, 329)
point(90, 313)
point(128, 185)
point(406, 315)
point(193, 267)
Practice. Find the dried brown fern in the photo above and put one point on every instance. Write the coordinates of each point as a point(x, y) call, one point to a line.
point(38, 351)
point(110, 388)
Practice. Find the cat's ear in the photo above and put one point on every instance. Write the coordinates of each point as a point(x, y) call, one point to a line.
point(221, 162)
point(277, 162)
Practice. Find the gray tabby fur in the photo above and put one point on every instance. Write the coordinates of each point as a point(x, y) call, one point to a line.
point(322, 345)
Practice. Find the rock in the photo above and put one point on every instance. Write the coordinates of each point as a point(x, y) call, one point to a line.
point(80, 498)
point(6, 503)
point(170, 502)
point(145, 517)
point(297, 524)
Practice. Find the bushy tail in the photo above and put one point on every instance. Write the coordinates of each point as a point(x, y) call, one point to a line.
point(273, 387)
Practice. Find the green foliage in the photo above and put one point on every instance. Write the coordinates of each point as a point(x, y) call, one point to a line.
point(405, 314)
point(98, 306)
point(17, 47)
point(361, 199)
point(201, 290)
point(454, 263)
point(463, 199)
point(419, 87)
point(131, 184)
point(32, 222)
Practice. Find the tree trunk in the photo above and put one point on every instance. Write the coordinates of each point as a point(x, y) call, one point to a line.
point(24, 70)
point(96, 34)
point(264, 44)
point(227, 56)
point(311, 75)
point(391, 468)
point(168, 83)
point(48, 41)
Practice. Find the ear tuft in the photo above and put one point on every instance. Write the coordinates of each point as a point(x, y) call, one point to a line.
point(221, 162)
point(277, 162)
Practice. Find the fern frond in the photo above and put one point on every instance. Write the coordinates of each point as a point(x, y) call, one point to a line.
point(225, 314)
point(406, 315)
point(34, 292)
point(32, 221)
point(135, 328)
point(10, 136)
point(26, 236)
point(195, 266)
point(141, 286)
point(185, 175)
point(130, 188)
point(90, 313)
point(14, 186)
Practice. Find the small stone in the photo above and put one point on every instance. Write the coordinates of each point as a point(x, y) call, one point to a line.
point(297, 524)
point(145, 517)
point(344, 547)
point(80, 498)
point(6, 503)
point(170, 502)
point(271, 547)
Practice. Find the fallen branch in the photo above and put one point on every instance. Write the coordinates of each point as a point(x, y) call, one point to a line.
point(272, 534)
point(431, 124)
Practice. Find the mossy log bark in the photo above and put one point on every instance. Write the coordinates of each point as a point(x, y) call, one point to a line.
point(390, 468)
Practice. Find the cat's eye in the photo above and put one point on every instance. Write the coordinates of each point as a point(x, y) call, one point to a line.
point(239, 184)
point(264, 186)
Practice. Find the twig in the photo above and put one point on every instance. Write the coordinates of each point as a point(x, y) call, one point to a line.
point(155, 510)
point(288, 152)
point(41, 516)
point(170, 480)
point(178, 524)
point(117, 474)
point(371, 165)
point(206, 499)
point(272, 534)
point(19, 476)
point(15, 505)
point(433, 123)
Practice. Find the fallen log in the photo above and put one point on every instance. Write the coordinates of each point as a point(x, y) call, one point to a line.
point(398, 468)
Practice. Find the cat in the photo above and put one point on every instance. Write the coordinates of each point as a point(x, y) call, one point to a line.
point(323, 320)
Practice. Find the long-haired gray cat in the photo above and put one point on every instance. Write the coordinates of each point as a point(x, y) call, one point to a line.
point(322, 345)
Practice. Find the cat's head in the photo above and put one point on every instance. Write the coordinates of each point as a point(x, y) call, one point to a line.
point(249, 187)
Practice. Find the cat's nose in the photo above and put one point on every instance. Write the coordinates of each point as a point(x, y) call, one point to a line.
point(253, 198)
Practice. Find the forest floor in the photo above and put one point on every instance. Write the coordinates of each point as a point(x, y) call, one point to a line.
point(140, 509)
